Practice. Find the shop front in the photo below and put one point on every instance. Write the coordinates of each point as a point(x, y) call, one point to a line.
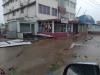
point(78, 30)
point(52, 27)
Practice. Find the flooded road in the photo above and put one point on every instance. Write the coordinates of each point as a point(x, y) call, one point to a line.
point(8, 55)
point(88, 51)
point(27, 57)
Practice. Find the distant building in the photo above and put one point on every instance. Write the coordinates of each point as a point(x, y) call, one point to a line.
point(37, 16)
point(98, 22)
point(95, 28)
point(82, 25)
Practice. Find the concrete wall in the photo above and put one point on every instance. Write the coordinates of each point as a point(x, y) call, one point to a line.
point(12, 29)
point(12, 26)
point(28, 11)
point(32, 11)
point(94, 28)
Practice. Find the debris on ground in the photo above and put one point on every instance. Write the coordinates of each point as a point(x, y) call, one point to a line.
point(85, 56)
point(50, 50)
point(10, 43)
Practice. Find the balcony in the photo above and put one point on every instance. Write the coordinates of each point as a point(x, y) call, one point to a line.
point(21, 6)
point(6, 2)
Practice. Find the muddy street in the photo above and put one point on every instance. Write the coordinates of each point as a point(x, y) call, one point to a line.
point(26, 58)
point(88, 50)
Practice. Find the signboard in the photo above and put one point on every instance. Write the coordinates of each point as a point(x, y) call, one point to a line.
point(64, 20)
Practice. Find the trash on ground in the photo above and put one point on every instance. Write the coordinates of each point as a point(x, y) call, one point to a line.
point(11, 43)
point(45, 35)
point(73, 44)
point(85, 56)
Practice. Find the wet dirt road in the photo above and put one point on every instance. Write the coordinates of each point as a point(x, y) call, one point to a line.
point(87, 51)
point(29, 58)
point(8, 56)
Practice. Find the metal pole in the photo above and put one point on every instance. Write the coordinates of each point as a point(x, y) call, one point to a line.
point(79, 11)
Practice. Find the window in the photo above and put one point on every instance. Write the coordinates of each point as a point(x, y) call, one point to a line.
point(24, 27)
point(22, 10)
point(72, 16)
point(14, 13)
point(73, 5)
point(67, 15)
point(60, 28)
point(54, 12)
point(11, 1)
point(32, 27)
point(67, 2)
point(45, 27)
point(44, 9)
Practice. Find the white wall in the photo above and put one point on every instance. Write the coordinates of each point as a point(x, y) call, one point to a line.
point(51, 3)
point(95, 28)
point(32, 11)
point(16, 4)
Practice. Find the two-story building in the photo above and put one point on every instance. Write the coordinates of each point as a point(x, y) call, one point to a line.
point(38, 16)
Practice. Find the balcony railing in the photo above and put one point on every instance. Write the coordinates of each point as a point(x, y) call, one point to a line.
point(21, 7)
point(6, 2)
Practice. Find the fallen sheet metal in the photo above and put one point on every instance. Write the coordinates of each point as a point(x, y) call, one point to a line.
point(45, 35)
point(11, 43)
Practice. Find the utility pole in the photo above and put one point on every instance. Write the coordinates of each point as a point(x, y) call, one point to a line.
point(85, 12)
point(78, 11)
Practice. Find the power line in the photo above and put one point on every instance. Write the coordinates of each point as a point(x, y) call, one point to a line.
point(90, 4)
point(97, 3)
point(78, 11)
point(93, 3)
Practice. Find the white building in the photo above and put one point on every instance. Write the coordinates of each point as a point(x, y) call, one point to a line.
point(38, 15)
point(94, 28)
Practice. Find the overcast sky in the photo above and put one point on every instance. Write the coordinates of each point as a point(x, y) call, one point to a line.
point(1, 12)
point(90, 7)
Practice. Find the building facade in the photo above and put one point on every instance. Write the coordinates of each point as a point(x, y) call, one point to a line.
point(43, 15)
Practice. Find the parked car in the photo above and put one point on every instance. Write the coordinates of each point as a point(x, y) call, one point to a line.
point(82, 68)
